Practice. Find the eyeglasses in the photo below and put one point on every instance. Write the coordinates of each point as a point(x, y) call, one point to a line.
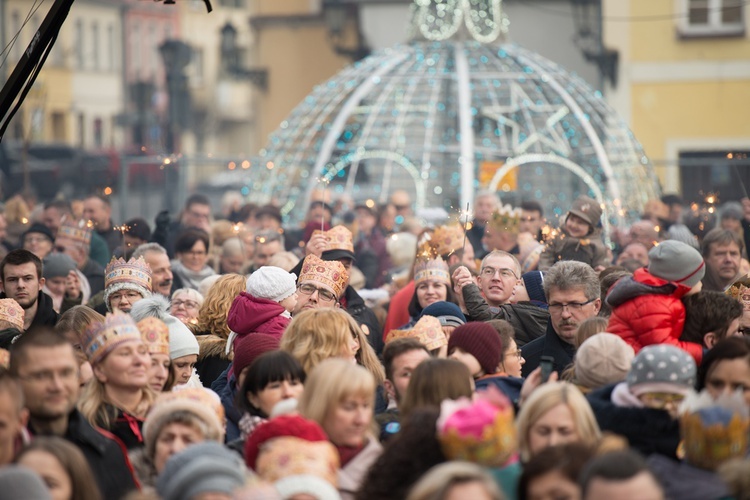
point(572, 306)
point(489, 272)
point(517, 353)
point(129, 294)
point(187, 304)
point(324, 294)
point(661, 400)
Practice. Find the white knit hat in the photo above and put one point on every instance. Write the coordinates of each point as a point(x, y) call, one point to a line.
point(272, 283)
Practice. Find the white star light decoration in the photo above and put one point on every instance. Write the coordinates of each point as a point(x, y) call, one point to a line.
point(548, 135)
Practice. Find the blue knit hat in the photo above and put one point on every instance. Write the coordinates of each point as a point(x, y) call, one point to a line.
point(448, 313)
point(534, 283)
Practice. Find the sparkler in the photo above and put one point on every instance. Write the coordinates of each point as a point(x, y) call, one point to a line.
point(466, 223)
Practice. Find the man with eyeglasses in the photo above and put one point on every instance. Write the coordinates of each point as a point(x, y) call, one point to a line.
point(46, 366)
point(490, 297)
point(320, 284)
point(572, 291)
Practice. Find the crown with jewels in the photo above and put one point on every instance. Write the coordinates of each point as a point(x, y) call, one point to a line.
point(337, 238)
point(135, 271)
point(99, 339)
point(428, 331)
point(740, 290)
point(331, 273)
point(432, 269)
point(77, 230)
point(12, 312)
point(447, 239)
point(507, 219)
point(714, 431)
point(155, 334)
point(481, 431)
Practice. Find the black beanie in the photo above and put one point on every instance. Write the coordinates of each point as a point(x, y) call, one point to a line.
point(481, 341)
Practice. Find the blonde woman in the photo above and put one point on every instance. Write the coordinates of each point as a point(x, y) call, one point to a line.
point(315, 335)
point(211, 328)
point(555, 413)
point(118, 397)
point(339, 395)
point(456, 480)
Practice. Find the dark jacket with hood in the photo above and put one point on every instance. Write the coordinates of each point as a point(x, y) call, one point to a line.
point(105, 455)
point(225, 386)
point(647, 430)
point(528, 320)
point(550, 344)
point(212, 358)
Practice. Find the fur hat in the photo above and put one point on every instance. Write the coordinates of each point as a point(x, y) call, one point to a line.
point(481, 341)
point(12, 312)
point(587, 209)
point(272, 283)
point(201, 468)
point(603, 359)
point(134, 274)
point(661, 368)
point(448, 313)
point(676, 262)
point(202, 402)
point(283, 425)
point(100, 339)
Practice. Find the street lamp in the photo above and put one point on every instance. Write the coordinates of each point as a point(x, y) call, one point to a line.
point(336, 13)
point(230, 55)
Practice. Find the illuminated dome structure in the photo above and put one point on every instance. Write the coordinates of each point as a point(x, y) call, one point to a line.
point(452, 112)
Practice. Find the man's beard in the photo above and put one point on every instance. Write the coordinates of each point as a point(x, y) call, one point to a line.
point(32, 302)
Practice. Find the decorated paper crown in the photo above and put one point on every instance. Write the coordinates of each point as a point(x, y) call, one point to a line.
point(714, 431)
point(507, 219)
point(480, 431)
point(155, 334)
point(4, 358)
point(100, 339)
point(331, 273)
point(286, 456)
point(135, 271)
point(434, 269)
point(740, 290)
point(428, 331)
point(337, 238)
point(12, 312)
point(447, 239)
point(78, 231)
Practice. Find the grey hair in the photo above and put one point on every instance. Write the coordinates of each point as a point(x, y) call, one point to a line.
point(571, 274)
point(268, 236)
point(232, 247)
point(142, 250)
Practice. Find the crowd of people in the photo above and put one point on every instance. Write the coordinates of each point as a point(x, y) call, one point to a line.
point(368, 353)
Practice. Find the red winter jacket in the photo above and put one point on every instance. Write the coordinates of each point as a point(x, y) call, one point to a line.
point(647, 310)
point(250, 314)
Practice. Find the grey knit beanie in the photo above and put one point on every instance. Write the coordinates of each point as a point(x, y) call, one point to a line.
point(676, 262)
point(57, 265)
point(661, 368)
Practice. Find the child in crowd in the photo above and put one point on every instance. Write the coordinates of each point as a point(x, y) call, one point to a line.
point(578, 237)
point(647, 307)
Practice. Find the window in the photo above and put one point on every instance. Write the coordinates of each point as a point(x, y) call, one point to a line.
point(95, 46)
point(712, 18)
point(719, 172)
point(111, 55)
point(135, 40)
point(80, 62)
point(98, 133)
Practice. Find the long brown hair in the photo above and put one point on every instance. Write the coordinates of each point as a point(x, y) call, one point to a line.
point(434, 380)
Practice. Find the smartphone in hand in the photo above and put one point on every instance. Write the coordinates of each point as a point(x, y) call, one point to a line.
point(548, 365)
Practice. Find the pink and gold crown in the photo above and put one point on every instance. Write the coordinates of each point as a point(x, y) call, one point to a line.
point(331, 273)
point(155, 334)
point(740, 290)
point(292, 456)
point(135, 271)
point(12, 312)
point(4, 358)
point(507, 219)
point(480, 431)
point(100, 339)
point(77, 230)
point(337, 238)
point(434, 269)
point(447, 239)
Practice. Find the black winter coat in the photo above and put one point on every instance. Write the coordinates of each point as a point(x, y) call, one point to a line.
point(550, 344)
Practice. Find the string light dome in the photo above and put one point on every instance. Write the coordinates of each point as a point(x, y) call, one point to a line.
point(452, 112)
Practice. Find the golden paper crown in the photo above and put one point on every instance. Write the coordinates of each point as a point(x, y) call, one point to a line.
point(135, 271)
point(155, 334)
point(429, 332)
point(434, 269)
point(708, 445)
point(480, 431)
point(12, 312)
point(447, 239)
point(199, 397)
point(337, 238)
point(397, 334)
point(292, 456)
point(78, 231)
point(507, 219)
point(331, 273)
point(100, 339)
point(740, 290)
point(4, 358)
